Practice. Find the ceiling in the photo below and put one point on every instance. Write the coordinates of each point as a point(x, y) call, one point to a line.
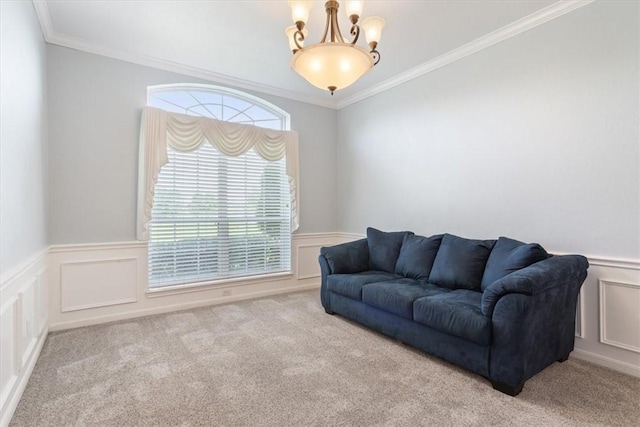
point(242, 43)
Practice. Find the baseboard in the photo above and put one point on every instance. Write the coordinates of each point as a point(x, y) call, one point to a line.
point(607, 362)
point(177, 307)
point(12, 402)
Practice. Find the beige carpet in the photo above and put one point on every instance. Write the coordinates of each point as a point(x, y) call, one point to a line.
point(282, 361)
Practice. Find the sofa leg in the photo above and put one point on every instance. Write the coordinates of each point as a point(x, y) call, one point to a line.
point(563, 359)
point(507, 389)
point(326, 310)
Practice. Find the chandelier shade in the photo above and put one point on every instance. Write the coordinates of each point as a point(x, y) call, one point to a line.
point(335, 62)
point(332, 65)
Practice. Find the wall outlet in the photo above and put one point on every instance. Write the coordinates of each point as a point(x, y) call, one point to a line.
point(226, 292)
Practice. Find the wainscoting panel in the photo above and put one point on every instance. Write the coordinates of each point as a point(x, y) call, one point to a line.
point(620, 315)
point(23, 329)
point(308, 267)
point(8, 340)
point(609, 328)
point(99, 283)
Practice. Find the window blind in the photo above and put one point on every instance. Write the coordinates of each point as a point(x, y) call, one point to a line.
point(216, 216)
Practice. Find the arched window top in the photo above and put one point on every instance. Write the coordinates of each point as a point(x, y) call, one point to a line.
point(219, 103)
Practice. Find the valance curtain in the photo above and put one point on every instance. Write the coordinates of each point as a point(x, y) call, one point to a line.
point(160, 129)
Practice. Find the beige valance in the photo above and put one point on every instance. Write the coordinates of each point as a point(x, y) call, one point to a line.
point(160, 129)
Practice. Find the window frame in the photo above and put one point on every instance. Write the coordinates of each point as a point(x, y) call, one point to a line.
point(218, 282)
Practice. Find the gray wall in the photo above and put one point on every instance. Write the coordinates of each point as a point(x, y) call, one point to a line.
point(94, 114)
point(535, 138)
point(23, 135)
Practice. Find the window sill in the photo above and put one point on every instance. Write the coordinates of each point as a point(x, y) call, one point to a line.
point(216, 284)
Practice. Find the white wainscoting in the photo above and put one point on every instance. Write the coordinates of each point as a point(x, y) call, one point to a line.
point(620, 314)
point(610, 315)
point(97, 283)
point(23, 328)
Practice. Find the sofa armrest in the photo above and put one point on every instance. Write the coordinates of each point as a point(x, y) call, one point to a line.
point(351, 257)
point(563, 270)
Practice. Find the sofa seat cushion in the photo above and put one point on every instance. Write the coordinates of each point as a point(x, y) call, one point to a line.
point(457, 313)
point(350, 285)
point(397, 296)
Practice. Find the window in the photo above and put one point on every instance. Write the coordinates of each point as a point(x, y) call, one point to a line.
point(216, 216)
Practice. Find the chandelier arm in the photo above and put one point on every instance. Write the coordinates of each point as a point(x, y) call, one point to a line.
point(355, 32)
point(376, 56)
point(336, 34)
point(326, 27)
point(298, 37)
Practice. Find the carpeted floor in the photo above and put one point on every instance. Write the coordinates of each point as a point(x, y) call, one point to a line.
point(282, 361)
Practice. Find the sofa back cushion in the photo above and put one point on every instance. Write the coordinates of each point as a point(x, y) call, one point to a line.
point(460, 262)
point(417, 255)
point(384, 249)
point(510, 255)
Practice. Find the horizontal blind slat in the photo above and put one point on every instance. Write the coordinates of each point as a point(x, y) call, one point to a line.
point(217, 217)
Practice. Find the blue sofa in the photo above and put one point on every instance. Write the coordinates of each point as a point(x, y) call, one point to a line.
point(501, 308)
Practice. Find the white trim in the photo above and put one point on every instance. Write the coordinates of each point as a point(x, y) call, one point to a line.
point(135, 244)
point(233, 282)
point(521, 25)
point(177, 307)
point(13, 273)
point(284, 116)
point(579, 332)
point(12, 404)
point(53, 37)
point(528, 22)
point(298, 275)
point(603, 315)
point(628, 264)
point(607, 362)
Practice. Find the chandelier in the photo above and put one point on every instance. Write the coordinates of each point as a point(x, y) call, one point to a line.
point(333, 63)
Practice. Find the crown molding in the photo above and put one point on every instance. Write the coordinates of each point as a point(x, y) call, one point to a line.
point(547, 14)
point(531, 21)
point(53, 37)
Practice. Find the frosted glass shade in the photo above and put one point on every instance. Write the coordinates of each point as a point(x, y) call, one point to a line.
point(372, 27)
point(354, 7)
point(332, 65)
point(300, 10)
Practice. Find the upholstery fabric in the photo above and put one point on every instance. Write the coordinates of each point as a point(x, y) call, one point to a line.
point(510, 255)
point(417, 255)
point(384, 248)
point(351, 257)
point(350, 285)
point(456, 350)
point(552, 272)
point(460, 262)
point(457, 312)
point(397, 296)
point(520, 324)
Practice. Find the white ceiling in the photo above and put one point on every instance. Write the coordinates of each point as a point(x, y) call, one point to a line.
point(243, 42)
